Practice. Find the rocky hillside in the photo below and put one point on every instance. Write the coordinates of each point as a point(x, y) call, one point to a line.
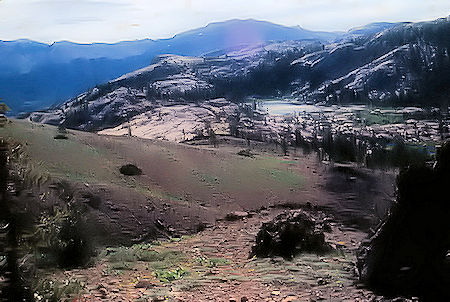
point(172, 80)
point(407, 63)
point(403, 64)
point(35, 75)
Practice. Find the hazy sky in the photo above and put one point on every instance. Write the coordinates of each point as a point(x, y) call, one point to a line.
point(114, 20)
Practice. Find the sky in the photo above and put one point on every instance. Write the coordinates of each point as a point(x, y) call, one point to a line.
point(87, 21)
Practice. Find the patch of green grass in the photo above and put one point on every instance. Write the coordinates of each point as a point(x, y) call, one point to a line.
point(126, 258)
point(121, 266)
point(122, 254)
point(161, 257)
point(274, 162)
point(175, 239)
point(290, 162)
point(262, 172)
point(381, 118)
point(143, 252)
point(212, 262)
point(170, 275)
point(284, 176)
point(114, 272)
point(165, 259)
point(142, 246)
point(235, 278)
point(148, 256)
point(67, 158)
point(172, 197)
point(209, 178)
point(159, 294)
point(178, 239)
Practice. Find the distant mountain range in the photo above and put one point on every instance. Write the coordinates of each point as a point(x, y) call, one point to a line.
point(402, 64)
point(379, 62)
point(35, 75)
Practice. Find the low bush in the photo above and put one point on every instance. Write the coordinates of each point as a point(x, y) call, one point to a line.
point(60, 136)
point(130, 170)
point(55, 291)
point(246, 153)
point(63, 239)
point(170, 275)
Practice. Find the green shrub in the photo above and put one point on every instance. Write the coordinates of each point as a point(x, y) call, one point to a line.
point(121, 266)
point(130, 170)
point(170, 275)
point(122, 254)
point(54, 291)
point(212, 262)
point(60, 136)
point(62, 238)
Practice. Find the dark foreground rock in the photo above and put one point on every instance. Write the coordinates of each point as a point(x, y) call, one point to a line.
point(409, 254)
point(289, 234)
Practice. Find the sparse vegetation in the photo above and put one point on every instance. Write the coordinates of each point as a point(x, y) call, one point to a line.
point(213, 138)
point(246, 153)
point(60, 136)
point(158, 260)
point(212, 262)
point(170, 275)
point(121, 254)
point(62, 133)
point(63, 239)
point(57, 290)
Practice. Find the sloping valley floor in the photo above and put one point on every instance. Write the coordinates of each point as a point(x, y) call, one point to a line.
point(162, 235)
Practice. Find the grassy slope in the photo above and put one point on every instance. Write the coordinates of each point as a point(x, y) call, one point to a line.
point(175, 173)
